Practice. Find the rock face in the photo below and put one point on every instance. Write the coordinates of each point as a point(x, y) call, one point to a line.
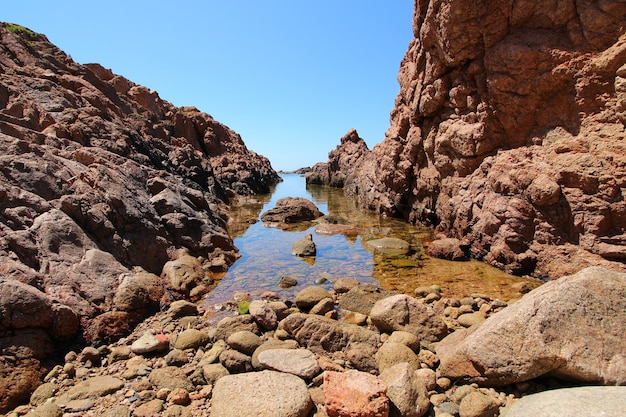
point(101, 184)
point(571, 328)
point(507, 133)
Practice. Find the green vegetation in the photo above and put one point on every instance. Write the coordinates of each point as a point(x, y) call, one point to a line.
point(21, 30)
point(244, 306)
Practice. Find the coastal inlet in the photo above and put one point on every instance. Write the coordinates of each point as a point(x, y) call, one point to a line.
point(341, 238)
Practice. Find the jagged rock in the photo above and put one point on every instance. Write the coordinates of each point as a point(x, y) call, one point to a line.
point(292, 210)
point(406, 391)
point(266, 393)
point(507, 133)
point(572, 327)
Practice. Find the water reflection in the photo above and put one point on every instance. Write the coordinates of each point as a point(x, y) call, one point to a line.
point(266, 252)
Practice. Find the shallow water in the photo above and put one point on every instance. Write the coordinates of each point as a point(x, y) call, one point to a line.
point(266, 253)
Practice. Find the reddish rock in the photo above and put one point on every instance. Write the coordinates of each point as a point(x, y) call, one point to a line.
point(448, 248)
point(354, 394)
point(292, 210)
point(507, 133)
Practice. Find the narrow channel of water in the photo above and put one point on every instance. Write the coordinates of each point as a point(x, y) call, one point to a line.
point(266, 253)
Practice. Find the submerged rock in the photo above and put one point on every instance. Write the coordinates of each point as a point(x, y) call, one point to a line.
point(304, 247)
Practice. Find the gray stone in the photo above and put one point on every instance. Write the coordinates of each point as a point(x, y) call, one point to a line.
point(97, 386)
point(579, 402)
point(176, 357)
point(265, 394)
point(343, 285)
point(271, 344)
point(299, 362)
point(170, 377)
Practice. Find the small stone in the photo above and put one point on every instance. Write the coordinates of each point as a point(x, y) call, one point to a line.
point(213, 372)
point(182, 308)
point(324, 306)
point(343, 285)
point(310, 296)
point(428, 376)
point(90, 354)
point(150, 343)
point(163, 393)
point(477, 404)
point(178, 396)
point(150, 409)
point(299, 362)
point(244, 341)
point(287, 282)
point(263, 314)
point(354, 393)
point(391, 354)
point(235, 361)
point(471, 319)
point(191, 339)
point(170, 377)
point(304, 247)
point(69, 369)
point(389, 245)
point(176, 357)
point(213, 354)
point(405, 338)
point(119, 353)
point(429, 358)
point(42, 393)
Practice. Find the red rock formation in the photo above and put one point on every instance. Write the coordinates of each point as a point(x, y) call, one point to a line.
point(508, 132)
point(101, 183)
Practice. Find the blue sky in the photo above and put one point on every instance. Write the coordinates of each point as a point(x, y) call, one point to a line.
point(291, 77)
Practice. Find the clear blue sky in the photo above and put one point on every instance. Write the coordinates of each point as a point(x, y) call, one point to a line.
point(291, 77)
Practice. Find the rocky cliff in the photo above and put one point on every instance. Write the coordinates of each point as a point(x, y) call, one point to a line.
point(508, 133)
point(112, 200)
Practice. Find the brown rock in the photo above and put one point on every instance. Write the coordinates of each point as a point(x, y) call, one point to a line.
point(449, 249)
point(571, 327)
point(292, 210)
point(507, 134)
point(406, 391)
point(308, 297)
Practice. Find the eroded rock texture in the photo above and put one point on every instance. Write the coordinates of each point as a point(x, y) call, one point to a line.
point(508, 132)
point(101, 184)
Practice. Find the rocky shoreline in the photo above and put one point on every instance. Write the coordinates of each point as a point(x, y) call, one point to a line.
point(356, 350)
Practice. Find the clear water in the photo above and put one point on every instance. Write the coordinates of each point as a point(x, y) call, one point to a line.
point(266, 253)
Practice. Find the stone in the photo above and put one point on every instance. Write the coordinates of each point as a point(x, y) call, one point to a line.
point(477, 404)
point(149, 343)
point(448, 248)
point(94, 387)
point(308, 297)
point(263, 314)
point(176, 357)
point(182, 308)
point(191, 339)
point(236, 362)
point(471, 319)
point(391, 354)
point(48, 409)
point(267, 393)
point(572, 327)
point(362, 297)
point(321, 334)
point(324, 306)
point(42, 393)
point(304, 247)
point(213, 372)
point(401, 312)
point(343, 285)
point(170, 377)
point(287, 282)
point(354, 393)
point(578, 401)
point(178, 396)
point(292, 210)
point(230, 325)
point(271, 344)
point(389, 245)
point(298, 362)
point(149, 409)
point(408, 395)
point(405, 338)
point(244, 341)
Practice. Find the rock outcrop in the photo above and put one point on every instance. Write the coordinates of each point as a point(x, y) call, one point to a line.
point(508, 133)
point(101, 184)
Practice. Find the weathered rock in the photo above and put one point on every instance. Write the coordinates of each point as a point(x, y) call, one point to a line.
point(406, 391)
point(287, 282)
point(304, 247)
point(292, 210)
point(477, 404)
point(405, 338)
point(42, 393)
point(213, 372)
point(579, 402)
point(391, 354)
point(449, 249)
point(170, 377)
point(235, 361)
point(267, 393)
point(320, 334)
point(499, 137)
point(343, 285)
point(230, 325)
point(401, 312)
point(354, 393)
point(263, 314)
point(271, 344)
point(362, 297)
point(572, 327)
point(310, 296)
point(298, 362)
point(471, 319)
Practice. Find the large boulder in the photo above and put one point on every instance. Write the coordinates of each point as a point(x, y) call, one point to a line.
point(507, 133)
point(571, 328)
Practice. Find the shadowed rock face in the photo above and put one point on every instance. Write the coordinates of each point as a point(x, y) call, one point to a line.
point(101, 184)
point(508, 132)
